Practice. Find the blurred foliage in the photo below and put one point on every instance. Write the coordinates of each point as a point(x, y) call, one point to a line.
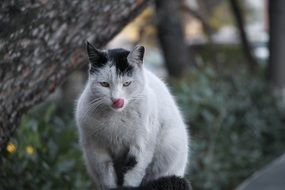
point(221, 16)
point(142, 29)
point(236, 125)
point(44, 154)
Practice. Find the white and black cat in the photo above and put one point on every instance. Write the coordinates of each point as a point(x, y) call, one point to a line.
point(131, 130)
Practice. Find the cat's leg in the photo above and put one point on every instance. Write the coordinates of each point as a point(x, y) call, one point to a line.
point(170, 157)
point(143, 157)
point(122, 164)
point(100, 167)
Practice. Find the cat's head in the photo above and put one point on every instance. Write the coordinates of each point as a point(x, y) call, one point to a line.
point(115, 76)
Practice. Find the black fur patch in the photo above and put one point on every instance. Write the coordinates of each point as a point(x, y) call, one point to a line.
point(95, 66)
point(122, 164)
point(118, 58)
point(164, 183)
point(167, 183)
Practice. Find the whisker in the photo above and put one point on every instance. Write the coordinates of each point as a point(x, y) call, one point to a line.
point(96, 100)
point(92, 107)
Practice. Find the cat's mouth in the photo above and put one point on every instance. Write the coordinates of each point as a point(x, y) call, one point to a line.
point(118, 104)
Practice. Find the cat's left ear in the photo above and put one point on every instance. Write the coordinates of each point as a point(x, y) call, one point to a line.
point(136, 55)
point(96, 56)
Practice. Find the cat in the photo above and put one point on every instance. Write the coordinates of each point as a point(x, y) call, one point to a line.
point(127, 113)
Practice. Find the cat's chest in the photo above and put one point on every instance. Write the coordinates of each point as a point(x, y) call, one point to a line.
point(118, 128)
point(120, 121)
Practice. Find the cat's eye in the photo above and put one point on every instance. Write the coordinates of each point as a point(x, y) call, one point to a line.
point(104, 84)
point(127, 83)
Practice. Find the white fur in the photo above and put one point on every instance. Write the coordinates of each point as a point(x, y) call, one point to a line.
point(149, 125)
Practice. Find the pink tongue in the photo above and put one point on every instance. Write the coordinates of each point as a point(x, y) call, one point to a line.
point(118, 103)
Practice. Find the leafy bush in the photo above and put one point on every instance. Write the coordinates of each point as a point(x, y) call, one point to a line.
point(236, 125)
point(45, 153)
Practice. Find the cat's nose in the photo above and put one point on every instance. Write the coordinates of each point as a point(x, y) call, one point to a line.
point(118, 102)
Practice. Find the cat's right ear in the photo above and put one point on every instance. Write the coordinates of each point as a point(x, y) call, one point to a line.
point(136, 55)
point(97, 58)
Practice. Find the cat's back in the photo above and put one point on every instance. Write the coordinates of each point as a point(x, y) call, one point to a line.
point(155, 83)
point(165, 101)
point(158, 86)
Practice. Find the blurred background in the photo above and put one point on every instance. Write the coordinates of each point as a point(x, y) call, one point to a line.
point(224, 61)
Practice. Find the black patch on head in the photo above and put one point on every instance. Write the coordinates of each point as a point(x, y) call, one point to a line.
point(97, 58)
point(122, 164)
point(119, 59)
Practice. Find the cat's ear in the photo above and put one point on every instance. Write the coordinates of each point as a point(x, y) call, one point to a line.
point(136, 55)
point(96, 56)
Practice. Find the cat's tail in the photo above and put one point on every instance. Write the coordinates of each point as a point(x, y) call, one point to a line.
point(164, 183)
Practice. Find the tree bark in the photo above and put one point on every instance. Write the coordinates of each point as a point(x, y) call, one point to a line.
point(276, 67)
point(171, 37)
point(243, 37)
point(41, 43)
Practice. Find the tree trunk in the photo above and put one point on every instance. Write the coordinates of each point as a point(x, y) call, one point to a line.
point(243, 37)
point(276, 68)
point(171, 37)
point(41, 43)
